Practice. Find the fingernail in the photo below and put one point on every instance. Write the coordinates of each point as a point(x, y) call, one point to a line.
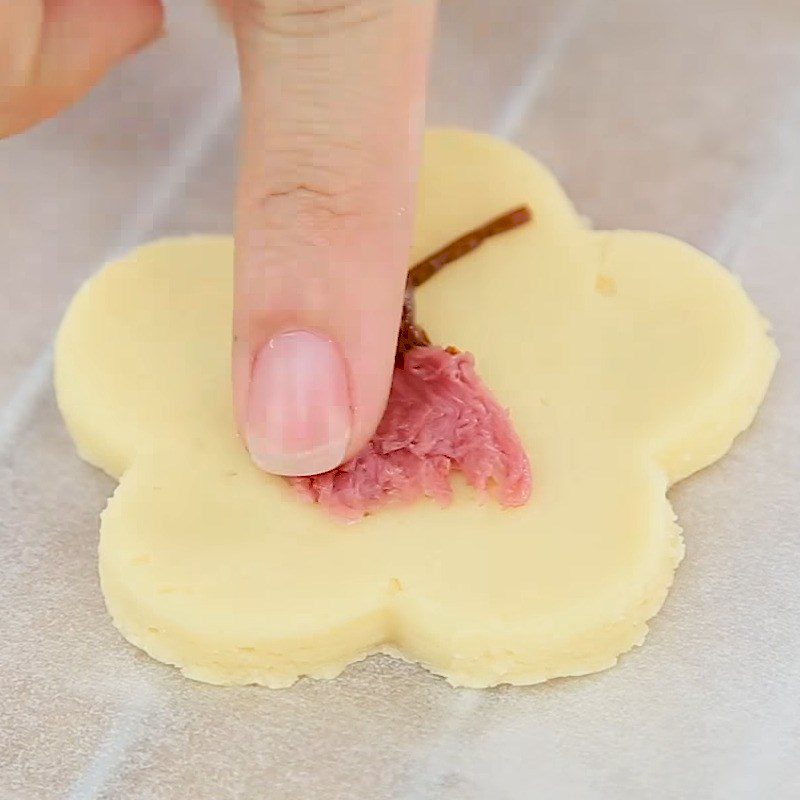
point(298, 413)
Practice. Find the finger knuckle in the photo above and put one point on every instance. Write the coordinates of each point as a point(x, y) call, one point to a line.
point(311, 18)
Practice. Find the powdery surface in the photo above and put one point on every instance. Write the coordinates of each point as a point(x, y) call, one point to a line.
point(440, 416)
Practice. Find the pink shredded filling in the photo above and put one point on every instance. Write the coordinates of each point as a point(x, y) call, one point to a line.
point(440, 416)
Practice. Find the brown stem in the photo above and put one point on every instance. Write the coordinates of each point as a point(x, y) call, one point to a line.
point(411, 334)
point(429, 266)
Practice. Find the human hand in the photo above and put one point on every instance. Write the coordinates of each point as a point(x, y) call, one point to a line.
point(332, 113)
point(333, 108)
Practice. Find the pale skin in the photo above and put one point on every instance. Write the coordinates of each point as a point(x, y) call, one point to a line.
point(333, 95)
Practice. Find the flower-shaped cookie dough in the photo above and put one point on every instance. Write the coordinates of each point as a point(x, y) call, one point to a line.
point(628, 361)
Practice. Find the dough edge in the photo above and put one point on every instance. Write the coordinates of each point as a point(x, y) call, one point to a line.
point(387, 629)
point(327, 654)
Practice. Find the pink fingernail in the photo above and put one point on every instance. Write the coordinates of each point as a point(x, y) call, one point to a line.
point(298, 413)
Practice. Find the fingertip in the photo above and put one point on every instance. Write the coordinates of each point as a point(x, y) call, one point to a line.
point(322, 232)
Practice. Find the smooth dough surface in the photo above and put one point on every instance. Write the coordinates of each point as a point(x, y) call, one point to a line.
point(628, 361)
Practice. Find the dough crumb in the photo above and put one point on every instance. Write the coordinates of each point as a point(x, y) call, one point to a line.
point(440, 416)
point(605, 285)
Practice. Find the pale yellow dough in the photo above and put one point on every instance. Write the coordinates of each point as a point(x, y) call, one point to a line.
point(628, 360)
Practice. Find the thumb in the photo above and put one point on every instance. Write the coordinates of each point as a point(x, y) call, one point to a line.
point(53, 51)
point(333, 98)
